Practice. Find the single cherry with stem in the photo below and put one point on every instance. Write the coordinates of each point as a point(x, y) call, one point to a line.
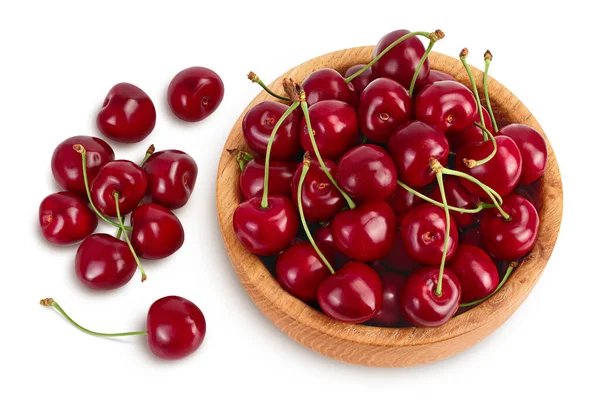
point(195, 93)
point(66, 219)
point(157, 232)
point(476, 272)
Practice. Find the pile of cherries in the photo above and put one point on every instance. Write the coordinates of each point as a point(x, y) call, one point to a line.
point(96, 186)
point(409, 202)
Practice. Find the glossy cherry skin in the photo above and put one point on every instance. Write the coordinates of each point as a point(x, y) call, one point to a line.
point(176, 327)
point(252, 178)
point(533, 149)
point(354, 294)
point(390, 314)
point(398, 260)
point(458, 196)
point(472, 134)
point(471, 236)
point(411, 148)
point(510, 240)
point(384, 106)
point(65, 218)
point(419, 303)
point(324, 239)
point(437, 76)
point(171, 177)
point(367, 172)
point(328, 84)
point(300, 271)
point(401, 62)
point(127, 114)
point(335, 126)
point(320, 198)
point(501, 173)
point(121, 176)
point(476, 272)
point(104, 262)
point(66, 162)
point(362, 80)
point(365, 233)
point(258, 124)
point(157, 232)
point(448, 105)
point(195, 93)
point(423, 232)
point(266, 232)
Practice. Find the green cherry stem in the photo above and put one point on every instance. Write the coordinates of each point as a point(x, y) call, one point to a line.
point(479, 207)
point(120, 231)
point(137, 260)
point(149, 152)
point(241, 157)
point(51, 303)
point(488, 59)
point(433, 37)
point(305, 167)
point(486, 133)
point(463, 58)
point(254, 78)
point(509, 271)
point(440, 180)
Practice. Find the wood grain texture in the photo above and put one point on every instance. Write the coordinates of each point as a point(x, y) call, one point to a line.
point(387, 347)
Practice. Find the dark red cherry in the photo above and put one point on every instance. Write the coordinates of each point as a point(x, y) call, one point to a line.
point(401, 62)
point(324, 239)
point(157, 232)
point(398, 260)
point(532, 192)
point(104, 262)
point(501, 173)
point(335, 126)
point(367, 172)
point(354, 294)
point(458, 196)
point(510, 240)
point(123, 177)
point(402, 200)
point(300, 271)
point(411, 148)
point(423, 232)
point(471, 236)
point(421, 305)
point(362, 80)
point(127, 115)
point(437, 76)
point(252, 178)
point(533, 149)
point(328, 84)
point(390, 314)
point(365, 233)
point(384, 106)
point(195, 93)
point(176, 327)
point(171, 177)
point(266, 232)
point(65, 218)
point(448, 105)
point(472, 134)
point(476, 272)
point(66, 162)
point(320, 198)
point(258, 124)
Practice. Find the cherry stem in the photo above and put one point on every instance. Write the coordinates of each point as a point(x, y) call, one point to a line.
point(440, 180)
point(480, 206)
point(311, 135)
point(509, 271)
point(137, 260)
point(254, 78)
point(305, 167)
point(51, 303)
point(463, 59)
point(265, 202)
point(475, 163)
point(241, 157)
point(119, 232)
point(149, 152)
point(421, 62)
point(488, 59)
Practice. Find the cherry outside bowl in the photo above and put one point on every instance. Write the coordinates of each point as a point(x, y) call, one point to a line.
point(374, 346)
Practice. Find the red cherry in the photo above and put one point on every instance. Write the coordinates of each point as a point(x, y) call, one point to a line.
point(195, 93)
point(437, 76)
point(365, 233)
point(324, 240)
point(471, 236)
point(402, 200)
point(423, 232)
point(157, 232)
point(412, 146)
point(510, 240)
point(362, 80)
point(266, 232)
point(532, 192)
point(65, 218)
point(532, 147)
point(127, 115)
point(258, 124)
point(328, 84)
point(176, 327)
point(171, 177)
point(458, 196)
point(448, 105)
point(398, 260)
point(421, 305)
point(476, 272)
point(353, 294)
point(472, 134)
point(104, 262)
point(66, 162)
point(335, 126)
point(123, 177)
point(390, 314)
point(252, 178)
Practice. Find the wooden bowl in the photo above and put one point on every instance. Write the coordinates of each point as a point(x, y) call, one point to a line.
point(387, 347)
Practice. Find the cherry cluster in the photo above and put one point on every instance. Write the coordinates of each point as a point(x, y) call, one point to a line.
point(388, 196)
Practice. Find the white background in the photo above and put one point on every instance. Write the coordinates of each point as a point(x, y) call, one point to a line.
point(58, 60)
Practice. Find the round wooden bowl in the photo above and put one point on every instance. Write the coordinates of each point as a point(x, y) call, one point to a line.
point(387, 347)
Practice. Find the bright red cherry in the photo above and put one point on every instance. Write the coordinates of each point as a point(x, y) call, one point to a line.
point(472, 134)
point(353, 294)
point(127, 115)
point(123, 177)
point(390, 314)
point(458, 196)
point(448, 105)
point(65, 218)
point(476, 272)
point(362, 80)
point(66, 162)
point(195, 93)
point(328, 84)
point(532, 147)
point(252, 178)
point(157, 232)
point(398, 260)
point(171, 177)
